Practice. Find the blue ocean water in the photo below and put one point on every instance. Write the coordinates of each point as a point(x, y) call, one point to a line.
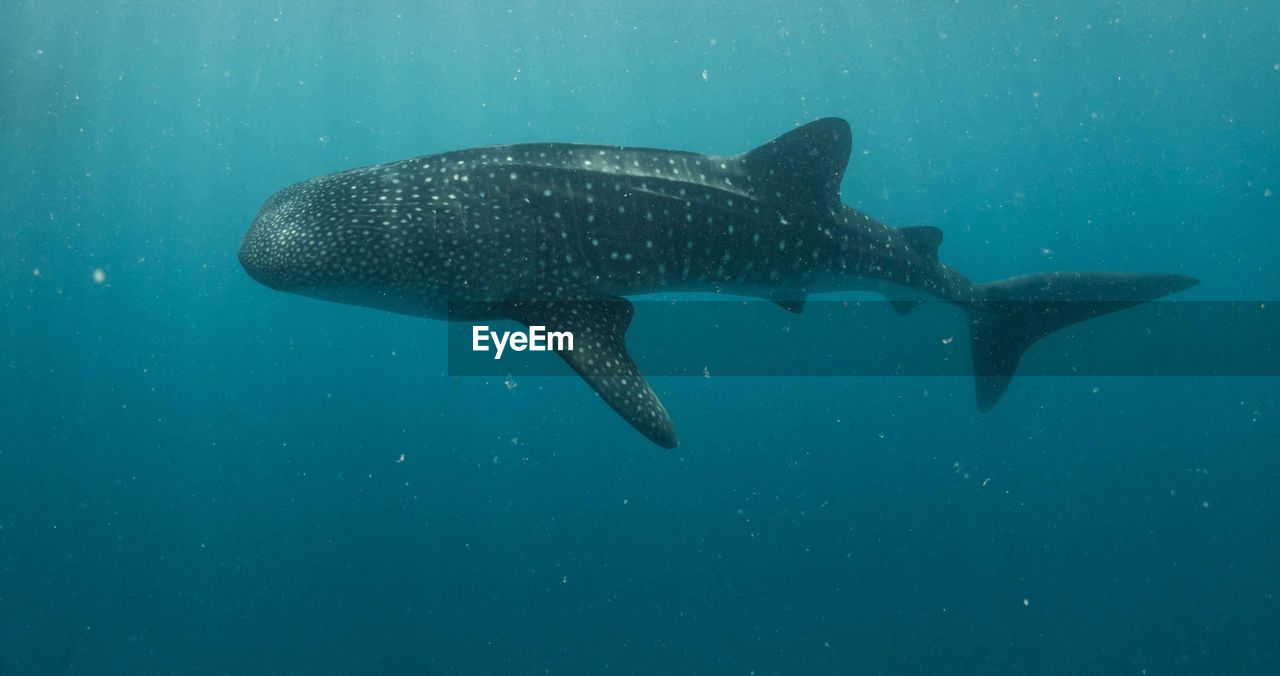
point(200, 475)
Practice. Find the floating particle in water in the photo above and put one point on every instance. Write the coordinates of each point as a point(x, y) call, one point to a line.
point(704, 74)
point(1266, 192)
point(1026, 602)
point(35, 272)
point(99, 275)
point(947, 340)
point(401, 458)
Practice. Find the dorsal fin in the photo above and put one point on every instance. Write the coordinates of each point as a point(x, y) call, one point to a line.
point(804, 166)
point(923, 239)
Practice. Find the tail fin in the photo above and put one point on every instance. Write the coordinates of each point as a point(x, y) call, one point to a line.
point(1010, 315)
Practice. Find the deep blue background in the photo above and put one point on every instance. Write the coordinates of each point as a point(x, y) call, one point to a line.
point(200, 475)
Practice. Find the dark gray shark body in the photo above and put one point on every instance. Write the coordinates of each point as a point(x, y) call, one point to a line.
point(558, 234)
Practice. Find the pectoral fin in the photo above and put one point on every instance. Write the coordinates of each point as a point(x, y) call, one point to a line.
point(600, 356)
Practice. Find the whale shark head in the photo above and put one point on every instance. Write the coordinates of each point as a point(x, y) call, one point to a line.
point(269, 251)
point(353, 237)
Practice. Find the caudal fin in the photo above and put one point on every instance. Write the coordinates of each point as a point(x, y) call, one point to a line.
point(1012, 314)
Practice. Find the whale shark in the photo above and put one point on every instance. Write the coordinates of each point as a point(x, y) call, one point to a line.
point(559, 235)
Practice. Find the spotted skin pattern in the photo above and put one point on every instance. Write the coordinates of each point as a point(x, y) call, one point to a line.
point(557, 235)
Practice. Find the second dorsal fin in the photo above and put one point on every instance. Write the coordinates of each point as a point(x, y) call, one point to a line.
point(924, 240)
